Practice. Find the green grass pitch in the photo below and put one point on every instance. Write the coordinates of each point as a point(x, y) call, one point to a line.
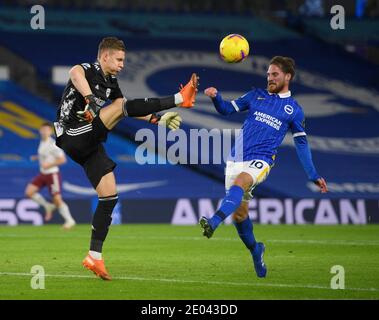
point(176, 262)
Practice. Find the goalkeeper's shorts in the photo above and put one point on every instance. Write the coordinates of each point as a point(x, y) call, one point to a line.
point(257, 169)
point(83, 144)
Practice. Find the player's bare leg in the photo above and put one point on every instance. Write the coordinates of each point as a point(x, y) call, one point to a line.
point(107, 192)
point(31, 192)
point(244, 180)
point(241, 213)
point(113, 113)
point(107, 185)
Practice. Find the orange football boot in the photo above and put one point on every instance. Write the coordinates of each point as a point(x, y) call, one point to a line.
point(189, 91)
point(97, 267)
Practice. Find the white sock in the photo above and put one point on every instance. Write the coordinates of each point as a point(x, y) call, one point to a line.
point(178, 98)
point(65, 213)
point(96, 255)
point(37, 197)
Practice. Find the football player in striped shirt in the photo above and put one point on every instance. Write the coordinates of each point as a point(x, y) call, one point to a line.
point(271, 113)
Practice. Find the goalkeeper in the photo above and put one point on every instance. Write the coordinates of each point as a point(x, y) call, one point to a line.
point(83, 123)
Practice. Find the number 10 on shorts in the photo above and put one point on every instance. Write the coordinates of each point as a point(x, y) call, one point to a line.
point(257, 164)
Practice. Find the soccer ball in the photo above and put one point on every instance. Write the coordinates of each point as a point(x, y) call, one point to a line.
point(234, 48)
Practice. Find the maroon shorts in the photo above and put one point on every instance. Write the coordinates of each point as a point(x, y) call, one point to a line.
point(51, 180)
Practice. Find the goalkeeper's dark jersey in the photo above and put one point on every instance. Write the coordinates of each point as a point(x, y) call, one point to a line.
point(103, 87)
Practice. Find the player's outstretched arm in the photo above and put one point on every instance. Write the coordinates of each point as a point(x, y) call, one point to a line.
point(305, 157)
point(222, 106)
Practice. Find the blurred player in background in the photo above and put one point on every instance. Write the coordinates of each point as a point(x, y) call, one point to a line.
point(83, 123)
point(271, 113)
point(50, 158)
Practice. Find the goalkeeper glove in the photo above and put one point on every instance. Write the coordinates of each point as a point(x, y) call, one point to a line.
point(90, 111)
point(171, 120)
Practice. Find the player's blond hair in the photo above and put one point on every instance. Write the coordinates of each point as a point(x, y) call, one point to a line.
point(110, 43)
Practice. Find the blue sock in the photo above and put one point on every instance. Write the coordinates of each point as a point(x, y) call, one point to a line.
point(229, 204)
point(245, 231)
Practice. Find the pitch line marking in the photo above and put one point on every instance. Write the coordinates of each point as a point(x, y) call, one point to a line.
point(219, 283)
point(186, 238)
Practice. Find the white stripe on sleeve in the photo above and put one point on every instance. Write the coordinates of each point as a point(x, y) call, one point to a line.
point(299, 134)
point(234, 104)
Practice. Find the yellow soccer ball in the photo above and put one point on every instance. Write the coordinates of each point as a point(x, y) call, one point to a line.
point(234, 48)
